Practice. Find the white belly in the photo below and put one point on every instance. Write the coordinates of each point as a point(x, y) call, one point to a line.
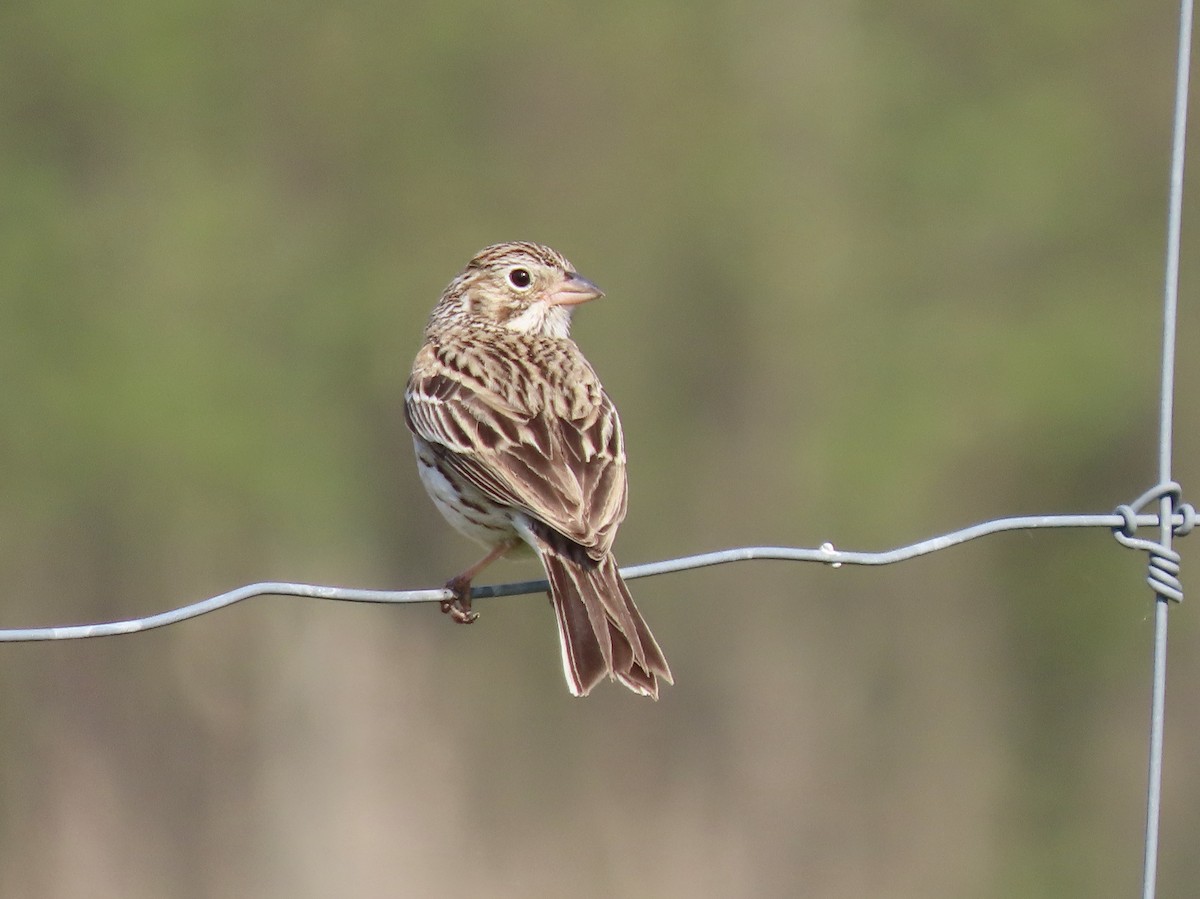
point(462, 504)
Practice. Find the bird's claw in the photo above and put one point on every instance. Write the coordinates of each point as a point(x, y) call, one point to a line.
point(459, 607)
point(456, 610)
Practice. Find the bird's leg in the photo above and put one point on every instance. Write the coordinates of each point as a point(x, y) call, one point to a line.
point(459, 608)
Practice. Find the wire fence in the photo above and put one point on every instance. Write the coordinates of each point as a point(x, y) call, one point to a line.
point(1124, 522)
point(1158, 691)
point(1173, 518)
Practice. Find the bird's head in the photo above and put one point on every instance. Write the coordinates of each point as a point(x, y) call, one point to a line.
point(523, 287)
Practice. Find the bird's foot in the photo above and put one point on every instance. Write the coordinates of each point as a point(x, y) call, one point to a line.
point(459, 607)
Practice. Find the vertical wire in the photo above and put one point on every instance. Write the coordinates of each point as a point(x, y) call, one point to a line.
point(1166, 413)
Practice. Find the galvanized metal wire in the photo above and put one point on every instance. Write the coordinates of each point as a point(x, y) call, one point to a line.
point(1158, 690)
point(1124, 523)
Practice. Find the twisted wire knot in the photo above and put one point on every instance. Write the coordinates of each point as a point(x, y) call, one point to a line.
point(1163, 576)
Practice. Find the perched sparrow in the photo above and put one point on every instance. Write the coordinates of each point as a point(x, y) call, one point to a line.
point(520, 447)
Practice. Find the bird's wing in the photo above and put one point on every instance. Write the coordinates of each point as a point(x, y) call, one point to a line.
point(561, 459)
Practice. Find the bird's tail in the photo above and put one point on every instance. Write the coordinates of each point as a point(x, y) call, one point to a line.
point(601, 631)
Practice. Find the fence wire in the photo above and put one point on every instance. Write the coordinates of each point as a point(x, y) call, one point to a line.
point(1173, 519)
point(1124, 523)
point(1158, 689)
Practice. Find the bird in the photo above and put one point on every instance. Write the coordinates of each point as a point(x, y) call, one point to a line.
point(521, 449)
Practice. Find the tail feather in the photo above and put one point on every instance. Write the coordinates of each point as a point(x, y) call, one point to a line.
point(600, 629)
point(585, 658)
point(653, 663)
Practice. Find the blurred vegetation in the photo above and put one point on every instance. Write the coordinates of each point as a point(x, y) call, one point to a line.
point(874, 272)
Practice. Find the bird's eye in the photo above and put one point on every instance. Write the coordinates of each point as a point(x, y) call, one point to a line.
point(520, 278)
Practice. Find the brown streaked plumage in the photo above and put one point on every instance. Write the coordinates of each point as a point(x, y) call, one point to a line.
point(518, 445)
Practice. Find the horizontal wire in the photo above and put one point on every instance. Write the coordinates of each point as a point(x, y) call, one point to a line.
point(826, 554)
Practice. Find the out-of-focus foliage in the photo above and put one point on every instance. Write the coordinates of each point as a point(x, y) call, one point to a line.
point(874, 271)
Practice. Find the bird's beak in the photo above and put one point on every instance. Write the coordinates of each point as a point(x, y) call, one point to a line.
point(573, 290)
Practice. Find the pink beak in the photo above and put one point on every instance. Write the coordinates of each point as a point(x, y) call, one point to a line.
point(573, 290)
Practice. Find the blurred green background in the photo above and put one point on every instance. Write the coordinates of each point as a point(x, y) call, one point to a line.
point(875, 271)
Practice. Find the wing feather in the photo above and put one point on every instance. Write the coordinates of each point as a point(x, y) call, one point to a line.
point(558, 458)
